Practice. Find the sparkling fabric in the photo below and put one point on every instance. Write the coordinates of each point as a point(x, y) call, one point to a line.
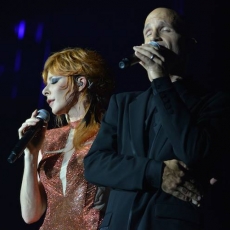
point(74, 210)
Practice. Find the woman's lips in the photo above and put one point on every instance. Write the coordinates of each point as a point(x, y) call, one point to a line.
point(50, 102)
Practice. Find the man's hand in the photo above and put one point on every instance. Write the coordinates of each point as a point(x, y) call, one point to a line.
point(177, 181)
point(159, 61)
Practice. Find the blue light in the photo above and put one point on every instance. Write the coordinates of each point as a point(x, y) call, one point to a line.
point(20, 30)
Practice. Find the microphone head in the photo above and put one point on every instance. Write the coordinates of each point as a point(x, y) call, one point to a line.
point(125, 62)
point(44, 115)
point(155, 44)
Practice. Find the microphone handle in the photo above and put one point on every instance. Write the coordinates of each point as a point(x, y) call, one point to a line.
point(18, 150)
point(132, 60)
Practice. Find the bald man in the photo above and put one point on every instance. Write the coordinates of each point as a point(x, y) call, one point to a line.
point(147, 137)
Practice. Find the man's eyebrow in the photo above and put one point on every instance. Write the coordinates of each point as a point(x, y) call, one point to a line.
point(146, 27)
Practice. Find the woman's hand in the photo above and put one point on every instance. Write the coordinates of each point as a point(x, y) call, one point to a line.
point(36, 142)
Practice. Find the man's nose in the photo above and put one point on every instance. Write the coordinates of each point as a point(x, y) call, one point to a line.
point(156, 37)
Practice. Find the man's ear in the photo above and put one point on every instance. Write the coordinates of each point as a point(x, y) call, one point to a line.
point(81, 82)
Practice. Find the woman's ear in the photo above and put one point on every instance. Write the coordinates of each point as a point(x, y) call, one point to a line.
point(191, 44)
point(81, 83)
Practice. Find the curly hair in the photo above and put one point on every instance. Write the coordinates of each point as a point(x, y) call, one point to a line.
point(74, 62)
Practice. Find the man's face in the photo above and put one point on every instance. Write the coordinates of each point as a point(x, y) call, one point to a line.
point(160, 27)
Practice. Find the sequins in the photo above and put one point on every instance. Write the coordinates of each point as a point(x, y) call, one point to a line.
point(74, 210)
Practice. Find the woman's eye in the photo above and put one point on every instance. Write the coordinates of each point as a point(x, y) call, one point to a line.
point(54, 80)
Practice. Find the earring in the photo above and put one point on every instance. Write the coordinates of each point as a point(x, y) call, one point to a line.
point(79, 83)
point(194, 40)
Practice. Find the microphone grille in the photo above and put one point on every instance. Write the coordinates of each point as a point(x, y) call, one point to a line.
point(155, 44)
point(44, 115)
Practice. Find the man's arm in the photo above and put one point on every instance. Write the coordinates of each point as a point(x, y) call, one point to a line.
point(106, 165)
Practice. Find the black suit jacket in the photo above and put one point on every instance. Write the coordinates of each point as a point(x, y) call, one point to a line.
point(190, 130)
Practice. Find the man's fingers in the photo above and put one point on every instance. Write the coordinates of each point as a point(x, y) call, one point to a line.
point(183, 165)
point(178, 183)
point(191, 195)
point(190, 186)
point(179, 195)
point(193, 187)
point(195, 200)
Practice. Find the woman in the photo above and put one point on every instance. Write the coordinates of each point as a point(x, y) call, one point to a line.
point(78, 87)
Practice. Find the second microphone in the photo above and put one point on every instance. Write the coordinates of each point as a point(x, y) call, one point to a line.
point(132, 60)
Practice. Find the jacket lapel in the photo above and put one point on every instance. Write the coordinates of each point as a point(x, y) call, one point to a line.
point(137, 110)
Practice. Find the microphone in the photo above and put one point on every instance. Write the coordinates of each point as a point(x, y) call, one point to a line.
point(18, 150)
point(132, 60)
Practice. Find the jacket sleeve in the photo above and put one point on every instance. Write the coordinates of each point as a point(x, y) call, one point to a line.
point(195, 131)
point(104, 165)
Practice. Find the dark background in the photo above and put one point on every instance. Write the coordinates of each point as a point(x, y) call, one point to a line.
point(110, 27)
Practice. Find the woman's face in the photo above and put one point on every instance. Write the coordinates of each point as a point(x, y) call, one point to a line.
point(59, 94)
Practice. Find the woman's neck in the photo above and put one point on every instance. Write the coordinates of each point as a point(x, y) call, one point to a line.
point(77, 112)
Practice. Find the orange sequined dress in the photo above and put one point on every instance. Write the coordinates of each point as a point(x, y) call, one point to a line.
point(72, 210)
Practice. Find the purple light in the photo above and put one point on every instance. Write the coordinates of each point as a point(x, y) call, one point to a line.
point(21, 30)
point(39, 32)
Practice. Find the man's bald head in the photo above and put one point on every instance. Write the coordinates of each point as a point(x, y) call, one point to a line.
point(171, 17)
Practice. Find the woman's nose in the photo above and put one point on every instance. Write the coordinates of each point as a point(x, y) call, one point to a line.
point(45, 91)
